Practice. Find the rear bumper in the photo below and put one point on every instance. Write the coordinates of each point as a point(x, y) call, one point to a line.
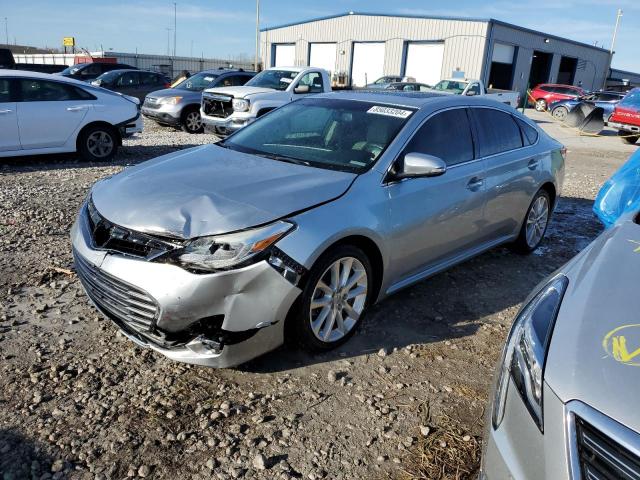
point(627, 127)
point(218, 320)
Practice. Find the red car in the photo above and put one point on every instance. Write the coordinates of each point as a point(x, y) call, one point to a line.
point(547, 93)
point(626, 117)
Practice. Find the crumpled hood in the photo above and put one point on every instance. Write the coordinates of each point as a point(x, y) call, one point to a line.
point(594, 354)
point(211, 190)
point(239, 92)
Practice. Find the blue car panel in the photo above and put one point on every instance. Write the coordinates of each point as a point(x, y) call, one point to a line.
point(620, 194)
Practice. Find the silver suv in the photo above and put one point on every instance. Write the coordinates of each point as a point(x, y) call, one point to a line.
point(295, 225)
point(180, 106)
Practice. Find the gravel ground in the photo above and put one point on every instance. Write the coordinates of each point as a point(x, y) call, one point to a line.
point(78, 400)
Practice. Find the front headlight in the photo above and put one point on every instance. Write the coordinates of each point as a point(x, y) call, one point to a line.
point(525, 353)
point(232, 250)
point(240, 105)
point(170, 100)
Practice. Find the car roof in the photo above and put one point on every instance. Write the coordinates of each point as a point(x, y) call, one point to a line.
point(290, 69)
point(222, 71)
point(417, 100)
point(558, 85)
point(39, 75)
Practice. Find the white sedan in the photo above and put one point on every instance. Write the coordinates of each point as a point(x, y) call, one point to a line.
point(42, 113)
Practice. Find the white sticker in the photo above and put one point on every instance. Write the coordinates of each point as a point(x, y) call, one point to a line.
point(391, 112)
point(208, 79)
point(286, 80)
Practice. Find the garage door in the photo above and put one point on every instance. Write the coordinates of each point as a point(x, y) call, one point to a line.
point(323, 55)
point(285, 56)
point(367, 63)
point(424, 62)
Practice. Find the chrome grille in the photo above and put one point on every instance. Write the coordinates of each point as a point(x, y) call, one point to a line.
point(217, 105)
point(125, 302)
point(601, 457)
point(151, 102)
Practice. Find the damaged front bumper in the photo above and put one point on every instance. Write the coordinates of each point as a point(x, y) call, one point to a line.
point(219, 319)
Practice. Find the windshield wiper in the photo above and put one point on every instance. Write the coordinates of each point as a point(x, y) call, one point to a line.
point(283, 158)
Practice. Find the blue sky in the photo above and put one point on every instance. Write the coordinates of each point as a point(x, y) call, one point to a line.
point(219, 28)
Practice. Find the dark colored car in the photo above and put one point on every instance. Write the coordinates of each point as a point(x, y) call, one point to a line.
point(409, 87)
point(545, 94)
point(90, 71)
point(180, 106)
point(606, 100)
point(135, 83)
point(626, 117)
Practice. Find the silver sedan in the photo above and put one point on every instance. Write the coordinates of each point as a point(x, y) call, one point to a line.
point(294, 226)
point(565, 401)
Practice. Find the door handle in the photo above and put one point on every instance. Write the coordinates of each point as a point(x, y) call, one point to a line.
point(533, 164)
point(5, 111)
point(76, 109)
point(475, 184)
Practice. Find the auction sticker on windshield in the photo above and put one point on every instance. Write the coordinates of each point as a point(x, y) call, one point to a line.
point(391, 112)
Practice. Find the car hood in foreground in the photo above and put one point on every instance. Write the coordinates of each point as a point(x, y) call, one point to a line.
point(594, 355)
point(211, 190)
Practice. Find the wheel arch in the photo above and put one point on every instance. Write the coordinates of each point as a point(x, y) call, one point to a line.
point(102, 123)
point(550, 188)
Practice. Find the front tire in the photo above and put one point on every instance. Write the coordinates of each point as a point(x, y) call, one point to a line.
point(336, 296)
point(98, 143)
point(535, 224)
point(192, 121)
point(541, 105)
point(628, 137)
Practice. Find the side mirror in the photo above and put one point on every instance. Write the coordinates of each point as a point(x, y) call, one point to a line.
point(421, 165)
point(301, 89)
point(471, 93)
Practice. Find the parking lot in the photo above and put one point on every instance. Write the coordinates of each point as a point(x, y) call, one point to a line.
point(78, 400)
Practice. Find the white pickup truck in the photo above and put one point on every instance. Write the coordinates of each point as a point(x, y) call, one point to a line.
point(227, 109)
point(471, 87)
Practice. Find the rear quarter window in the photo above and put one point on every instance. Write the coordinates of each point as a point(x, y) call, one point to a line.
point(529, 134)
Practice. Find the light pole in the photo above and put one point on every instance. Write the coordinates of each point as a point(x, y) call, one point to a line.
point(611, 50)
point(255, 64)
point(6, 30)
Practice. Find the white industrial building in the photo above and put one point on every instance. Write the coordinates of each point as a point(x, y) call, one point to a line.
point(358, 48)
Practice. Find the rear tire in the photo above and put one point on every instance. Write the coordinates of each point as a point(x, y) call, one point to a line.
point(534, 225)
point(98, 143)
point(628, 137)
point(191, 121)
point(560, 113)
point(541, 105)
point(334, 301)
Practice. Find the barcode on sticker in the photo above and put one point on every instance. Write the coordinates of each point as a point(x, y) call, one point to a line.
point(391, 112)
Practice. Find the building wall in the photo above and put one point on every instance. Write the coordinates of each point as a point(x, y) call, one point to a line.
point(165, 63)
point(616, 76)
point(592, 62)
point(464, 40)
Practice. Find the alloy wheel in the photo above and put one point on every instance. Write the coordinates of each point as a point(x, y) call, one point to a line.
point(193, 121)
point(537, 221)
point(560, 113)
point(541, 105)
point(338, 299)
point(100, 144)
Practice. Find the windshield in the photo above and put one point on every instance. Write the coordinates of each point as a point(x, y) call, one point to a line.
point(198, 82)
point(276, 79)
point(451, 86)
point(71, 70)
point(333, 134)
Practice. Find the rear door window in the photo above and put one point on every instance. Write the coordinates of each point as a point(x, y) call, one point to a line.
point(129, 79)
point(497, 131)
point(32, 90)
point(150, 79)
point(446, 135)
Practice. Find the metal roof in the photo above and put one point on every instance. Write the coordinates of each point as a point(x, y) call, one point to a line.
point(436, 17)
